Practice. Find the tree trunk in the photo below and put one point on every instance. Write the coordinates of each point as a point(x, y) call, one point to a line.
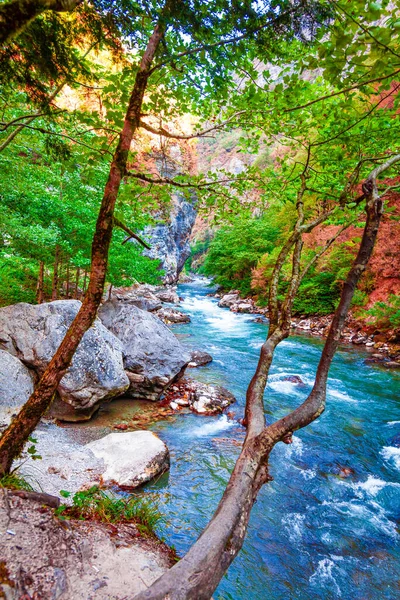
point(198, 573)
point(78, 274)
point(84, 282)
point(67, 282)
point(14, 437)
point(54, 291)
point(39, 287)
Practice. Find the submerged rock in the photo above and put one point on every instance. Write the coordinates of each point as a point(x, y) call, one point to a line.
point(16, 385)
point(199, 358)
point(131, 458)
point(294, 379)
point(33, 334)
point(153, 356)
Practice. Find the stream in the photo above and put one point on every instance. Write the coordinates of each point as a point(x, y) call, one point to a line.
point(312, 534)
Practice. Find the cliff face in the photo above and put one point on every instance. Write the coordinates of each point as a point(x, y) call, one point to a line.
point(170, 240)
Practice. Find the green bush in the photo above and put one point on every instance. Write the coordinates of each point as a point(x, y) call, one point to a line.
point(385, 314)
point(236, 249)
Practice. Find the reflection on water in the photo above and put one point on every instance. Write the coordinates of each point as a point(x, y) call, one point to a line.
point(312, 533)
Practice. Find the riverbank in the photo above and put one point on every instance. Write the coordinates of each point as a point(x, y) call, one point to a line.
point(383, 346)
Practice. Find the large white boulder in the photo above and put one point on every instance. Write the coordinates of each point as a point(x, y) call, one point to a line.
point(16, 385)
point(153, 356)
point(131, 458)
point(33, 334)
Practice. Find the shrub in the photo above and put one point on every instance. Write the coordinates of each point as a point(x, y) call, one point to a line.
point(385, 314)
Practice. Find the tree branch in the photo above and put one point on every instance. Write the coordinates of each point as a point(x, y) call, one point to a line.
point(131, 234)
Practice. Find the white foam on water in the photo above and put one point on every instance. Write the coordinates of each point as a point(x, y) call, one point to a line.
point(372, 513)
point(294, 525)
point(256, 345)
point(221, 424)
point(392, 455)
point(392, 423)
point(324, 575)
point(295, 448)
point(372, 486)
point(339, 395)
point(308, 473)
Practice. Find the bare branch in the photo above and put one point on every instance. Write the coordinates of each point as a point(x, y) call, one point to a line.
point(131, 234)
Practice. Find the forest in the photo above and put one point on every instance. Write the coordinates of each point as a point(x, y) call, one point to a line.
point(199, 299)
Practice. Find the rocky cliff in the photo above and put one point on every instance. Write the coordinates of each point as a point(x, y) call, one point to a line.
point(170, 240)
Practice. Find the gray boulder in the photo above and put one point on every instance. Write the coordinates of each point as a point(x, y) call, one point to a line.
point(131, 458)
point(229, 300)
point(170, 316)
point(168, 294)
point(33, 334)
point(141, 296)
point(16, 385)
point(153, 357)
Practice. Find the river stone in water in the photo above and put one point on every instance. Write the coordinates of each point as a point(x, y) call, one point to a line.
point(198, 358)
point(131, 458)
point(16, 385)
point(153, 356)
point(33, 334)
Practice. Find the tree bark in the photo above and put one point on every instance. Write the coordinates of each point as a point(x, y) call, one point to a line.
point(16, 15)
point(78, 274)
point(39, 286)
point(14, 437)
point(54, 291)
point(67, 281)
point(198, 573)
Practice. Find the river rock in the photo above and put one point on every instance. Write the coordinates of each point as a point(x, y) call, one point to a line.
point(16, 385)
point(294, 379)
point(199, 358)
point(141, 296)
point(131, 458)
point(171, 316)
point(153, 356)
point(168, 294)
point(200, 397)
point(244, 307)
point(229, 300)
point(33, 334)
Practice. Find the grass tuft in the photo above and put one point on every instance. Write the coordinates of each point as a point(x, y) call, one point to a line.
point(96, 505)
point(12, 481)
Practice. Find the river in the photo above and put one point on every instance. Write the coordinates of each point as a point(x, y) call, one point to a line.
point(312, 534)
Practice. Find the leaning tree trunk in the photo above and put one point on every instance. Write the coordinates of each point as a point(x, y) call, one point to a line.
point(198, 573)
point(14, 437)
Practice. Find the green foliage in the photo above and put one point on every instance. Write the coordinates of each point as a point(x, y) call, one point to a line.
point(236, 249)
point(385, 314)
point(197, 254)
point(50, 205)
point(96, 505)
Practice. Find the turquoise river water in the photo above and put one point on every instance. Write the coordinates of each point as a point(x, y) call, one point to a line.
point(312, 534)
